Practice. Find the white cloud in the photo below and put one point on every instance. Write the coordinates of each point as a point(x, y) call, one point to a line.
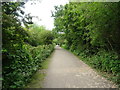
point(43, 11)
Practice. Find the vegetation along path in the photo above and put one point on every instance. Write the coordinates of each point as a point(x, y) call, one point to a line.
point(67, 71)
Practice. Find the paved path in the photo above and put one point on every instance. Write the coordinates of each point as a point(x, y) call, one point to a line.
point(67, 71)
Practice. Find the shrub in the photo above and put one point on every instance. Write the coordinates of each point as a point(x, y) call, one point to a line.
point(104, 61)
point(25, 62)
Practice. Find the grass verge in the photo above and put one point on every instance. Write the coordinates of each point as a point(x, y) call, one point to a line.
point(38, 78)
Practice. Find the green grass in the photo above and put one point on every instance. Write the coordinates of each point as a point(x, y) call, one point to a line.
point(45, 64)
point(38, 78)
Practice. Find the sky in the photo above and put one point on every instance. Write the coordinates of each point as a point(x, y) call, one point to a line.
point(42, 9)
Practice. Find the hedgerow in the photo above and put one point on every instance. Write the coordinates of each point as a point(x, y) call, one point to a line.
point(23, 48)
point(25, 63)
point(104, 61)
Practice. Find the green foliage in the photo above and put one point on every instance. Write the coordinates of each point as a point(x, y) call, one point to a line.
point(38, 35)
point(59, 39)
point(20, 59)
point(46, 37)
point(26, 62)
point(13, 33)
point(94, 25)
point(106, 62)
point(92, 31)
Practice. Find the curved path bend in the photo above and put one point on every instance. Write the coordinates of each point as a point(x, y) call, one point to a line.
point(67, 71)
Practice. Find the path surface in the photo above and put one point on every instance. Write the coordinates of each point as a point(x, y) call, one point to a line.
point(67, 71)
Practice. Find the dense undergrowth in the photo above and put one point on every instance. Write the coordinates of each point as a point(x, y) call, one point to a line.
point(38, 77)
point(25, 63)
point(23, 48)
point(106, 62)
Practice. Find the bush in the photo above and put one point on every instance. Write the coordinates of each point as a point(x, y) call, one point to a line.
point(25, 62)
point(38, 35)
point(104, 61)
point(21, 60)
